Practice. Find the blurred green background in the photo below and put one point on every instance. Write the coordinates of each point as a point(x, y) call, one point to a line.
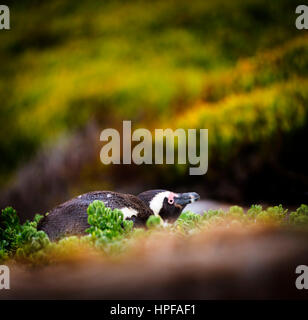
point(70, 69)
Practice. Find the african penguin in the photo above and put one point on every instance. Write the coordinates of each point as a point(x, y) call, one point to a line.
point(71, 218)
point(168, 205)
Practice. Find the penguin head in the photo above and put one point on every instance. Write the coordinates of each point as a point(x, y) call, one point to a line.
point(168, 205)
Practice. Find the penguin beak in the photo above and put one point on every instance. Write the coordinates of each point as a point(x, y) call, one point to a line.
point(185, 198)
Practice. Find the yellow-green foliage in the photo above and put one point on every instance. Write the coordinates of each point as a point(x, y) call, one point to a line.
point(260, 99)
point(235, 67)
point(153, 222)
point(300, 216)
point(251, 118)
point(188, 222)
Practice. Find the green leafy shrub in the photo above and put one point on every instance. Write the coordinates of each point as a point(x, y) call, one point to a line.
point(300, 216)
point(153, 222)
point(213, 213)
point(21, 240)
point(256, 214)
point(189, 221)
point(254, 210)
point(272, 214)
point(236, 212)
point(106, 225)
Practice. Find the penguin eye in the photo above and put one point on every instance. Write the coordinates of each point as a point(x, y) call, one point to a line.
point(171, 198)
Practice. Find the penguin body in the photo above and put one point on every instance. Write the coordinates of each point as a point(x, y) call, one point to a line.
point(71, 218)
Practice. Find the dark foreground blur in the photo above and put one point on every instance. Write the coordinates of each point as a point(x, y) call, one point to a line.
point(222, 264)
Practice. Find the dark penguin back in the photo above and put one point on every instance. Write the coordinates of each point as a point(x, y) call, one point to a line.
point(71, 218)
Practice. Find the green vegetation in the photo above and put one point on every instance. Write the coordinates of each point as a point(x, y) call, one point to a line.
point(238, 68)
point(189, 222)
point(110, 235)
point(19, 240)
point(300, 216)
point(153, 222)
point(106, 224)
point(107, 227)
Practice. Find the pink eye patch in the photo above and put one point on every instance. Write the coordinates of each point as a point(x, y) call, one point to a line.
point(171, 197)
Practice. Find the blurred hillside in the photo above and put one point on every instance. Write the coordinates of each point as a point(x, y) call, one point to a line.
point(70, 69)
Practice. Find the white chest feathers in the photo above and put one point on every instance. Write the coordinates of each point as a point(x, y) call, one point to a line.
point(157, 202)
point(128, 212)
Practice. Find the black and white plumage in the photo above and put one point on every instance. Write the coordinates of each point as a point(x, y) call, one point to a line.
point(168, 205)
point(71, 218)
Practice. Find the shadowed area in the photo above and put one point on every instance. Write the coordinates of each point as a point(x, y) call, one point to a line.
point(255, 263)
